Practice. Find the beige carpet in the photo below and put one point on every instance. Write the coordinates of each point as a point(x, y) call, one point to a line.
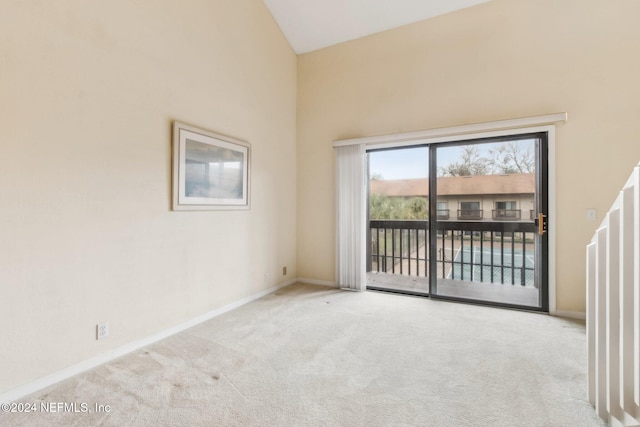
point(315, 356)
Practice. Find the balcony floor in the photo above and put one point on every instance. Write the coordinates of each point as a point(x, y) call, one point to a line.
point(492, 292)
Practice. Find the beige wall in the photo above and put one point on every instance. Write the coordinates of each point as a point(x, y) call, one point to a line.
point(499, 60)
point(88, 91)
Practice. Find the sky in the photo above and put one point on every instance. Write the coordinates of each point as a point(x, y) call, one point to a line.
point(400, 164)
point(410, 163)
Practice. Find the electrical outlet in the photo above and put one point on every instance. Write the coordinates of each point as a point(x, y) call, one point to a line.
point(284, 270)
point(102, 330)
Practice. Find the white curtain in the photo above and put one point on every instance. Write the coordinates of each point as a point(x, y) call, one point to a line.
point(350, 219)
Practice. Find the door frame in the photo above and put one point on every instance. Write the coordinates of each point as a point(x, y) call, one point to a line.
point(536, 124)
point(542, 205)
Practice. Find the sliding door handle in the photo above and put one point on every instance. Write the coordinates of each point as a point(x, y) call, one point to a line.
point(542, 223)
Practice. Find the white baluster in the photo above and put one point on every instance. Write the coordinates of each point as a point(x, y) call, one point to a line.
point(601, 322)
point(613, 310)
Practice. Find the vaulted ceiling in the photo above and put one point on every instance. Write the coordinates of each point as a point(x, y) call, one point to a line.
point(314, 24)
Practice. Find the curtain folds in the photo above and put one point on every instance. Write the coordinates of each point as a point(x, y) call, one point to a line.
point(351, 217)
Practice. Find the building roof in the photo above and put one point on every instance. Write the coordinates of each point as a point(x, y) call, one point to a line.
point(457, 185)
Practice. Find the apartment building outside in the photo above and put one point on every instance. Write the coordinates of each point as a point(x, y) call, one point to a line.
point(509, 197)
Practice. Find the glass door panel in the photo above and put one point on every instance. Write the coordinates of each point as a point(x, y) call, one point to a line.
point(398, 210)
point(488, 248)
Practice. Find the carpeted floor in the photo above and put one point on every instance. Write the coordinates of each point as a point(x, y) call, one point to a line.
point(315, 356)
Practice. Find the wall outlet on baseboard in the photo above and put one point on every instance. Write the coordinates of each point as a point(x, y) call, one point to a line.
point(284, 270)
point(102, 330)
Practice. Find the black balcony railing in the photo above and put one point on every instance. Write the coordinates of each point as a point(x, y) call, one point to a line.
point(469, 214)
point(506, 214)
point(398, 247)
point(487, 251)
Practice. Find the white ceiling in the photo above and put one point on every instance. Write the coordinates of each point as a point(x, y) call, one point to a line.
point(313, 24)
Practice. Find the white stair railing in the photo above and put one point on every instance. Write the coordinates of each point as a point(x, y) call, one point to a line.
point(613, 310)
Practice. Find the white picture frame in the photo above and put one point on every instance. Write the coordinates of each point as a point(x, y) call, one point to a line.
point(210, 171)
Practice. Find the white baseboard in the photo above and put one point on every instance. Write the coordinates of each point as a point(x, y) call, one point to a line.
point(39, 384)
point(317, 282)
point(570, 314)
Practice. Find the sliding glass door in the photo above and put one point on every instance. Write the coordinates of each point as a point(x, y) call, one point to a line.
point(462, 220)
